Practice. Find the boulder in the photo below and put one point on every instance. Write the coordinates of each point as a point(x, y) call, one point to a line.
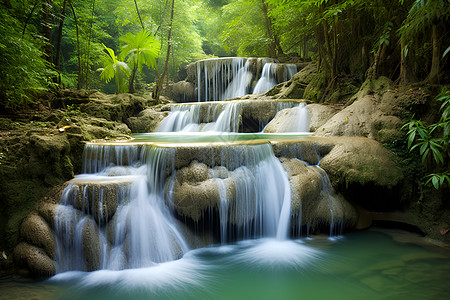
point(146, 121)
point(36, 231)
point(91, 245)
point(365, 172)
point(34, 259)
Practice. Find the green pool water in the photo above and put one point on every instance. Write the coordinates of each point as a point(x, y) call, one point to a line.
point(212, 137)
point(364, 265)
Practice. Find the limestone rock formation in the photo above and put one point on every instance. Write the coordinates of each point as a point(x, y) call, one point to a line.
point(36, 231)
point(146, 121)
point(34, 259)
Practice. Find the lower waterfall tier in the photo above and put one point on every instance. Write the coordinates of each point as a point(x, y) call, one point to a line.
point(141, 203)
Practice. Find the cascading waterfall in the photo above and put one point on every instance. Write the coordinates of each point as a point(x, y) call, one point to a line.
point(220, 79)
point(116, 218)
point(223, 117)
point(260, 206)
point(268, 79)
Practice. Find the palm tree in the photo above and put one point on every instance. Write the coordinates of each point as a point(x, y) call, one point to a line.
point(114, 68)
point(139, 49)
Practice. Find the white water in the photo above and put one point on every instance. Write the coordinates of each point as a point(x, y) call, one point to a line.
point(269, 76)
point(186, 118)
point(260, 206)
point(268, 79)
point(142, 231)
point(220, 79)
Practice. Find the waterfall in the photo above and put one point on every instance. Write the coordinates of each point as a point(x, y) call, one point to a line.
point(116, 218)
point(259, 204)
point(268, 79)
point(220, 117)
point(220, 79)
point(271, 76)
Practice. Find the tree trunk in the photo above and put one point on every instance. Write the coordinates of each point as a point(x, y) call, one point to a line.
point(47, 29)
point(159, 84)
point(59, 43)
point(274, 43)
point(80, 77)
point(139, 15)
point(88, 50)
point(434, 72)
point(28, 18)
point(131, 81)
point(406, 72)
point(328, 47)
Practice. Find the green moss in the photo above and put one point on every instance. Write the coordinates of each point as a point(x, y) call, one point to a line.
point(315, 89)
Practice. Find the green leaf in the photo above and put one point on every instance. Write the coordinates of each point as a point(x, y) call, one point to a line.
point(435, 181)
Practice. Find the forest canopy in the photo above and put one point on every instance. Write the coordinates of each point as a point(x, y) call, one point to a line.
point(51, 44)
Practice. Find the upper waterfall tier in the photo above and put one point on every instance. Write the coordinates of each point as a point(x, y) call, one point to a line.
point(233, 116)
point(218, 79)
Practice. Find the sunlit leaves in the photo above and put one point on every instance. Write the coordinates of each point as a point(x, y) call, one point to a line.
point(140, 49)
point(113, 68)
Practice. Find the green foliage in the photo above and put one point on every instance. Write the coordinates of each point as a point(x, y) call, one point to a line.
point(438, 179)
point(113, 68)
point(433, 139)
point(140, 49)
point(24, 71)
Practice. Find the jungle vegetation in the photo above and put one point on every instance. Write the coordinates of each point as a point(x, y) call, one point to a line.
point(51, 44)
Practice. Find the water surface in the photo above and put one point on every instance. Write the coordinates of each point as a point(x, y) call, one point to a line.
point(364, 265)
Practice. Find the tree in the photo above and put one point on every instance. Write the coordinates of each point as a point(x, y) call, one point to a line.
point(139, 49)
point(159, 84)
point(114, 68)
point(425, 16)
point(25, 71)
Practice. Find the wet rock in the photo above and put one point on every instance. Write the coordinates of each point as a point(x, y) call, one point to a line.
point(196, 172)
point(192, 200)
point(37, 232)
point(91, 245)
point(34, 259)
point(146, 121)
point(47, 211)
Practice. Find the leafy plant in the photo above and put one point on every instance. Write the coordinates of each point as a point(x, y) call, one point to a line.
point(140, 49)
point(114, 68)
point(433, 139)
point(24, 71)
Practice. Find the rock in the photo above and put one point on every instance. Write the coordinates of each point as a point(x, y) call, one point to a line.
point(35, 259)
point(47, 211)
point(146, 121)
point(37, 232)
point(91, 245)
point(319, 114)
point(195, 172)
point(314, 195)
point(365, 172)
point(192, 200)
point(295, 87)
point(104, 195)
point(182, 91)
point(306, 184)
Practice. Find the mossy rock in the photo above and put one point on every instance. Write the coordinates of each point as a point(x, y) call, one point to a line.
point(315, 89)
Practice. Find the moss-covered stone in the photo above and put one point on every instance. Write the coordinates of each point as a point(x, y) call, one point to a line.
point(315, 89)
